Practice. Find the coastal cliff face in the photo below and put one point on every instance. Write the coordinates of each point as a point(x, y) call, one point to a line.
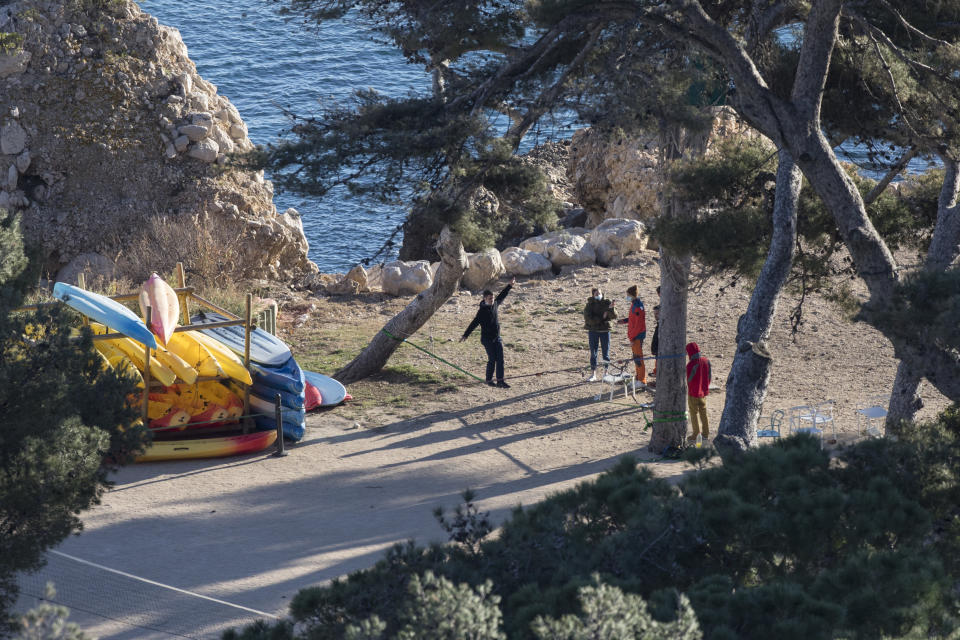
point(115, 151)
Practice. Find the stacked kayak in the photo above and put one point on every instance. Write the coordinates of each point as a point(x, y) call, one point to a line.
point(274, 372)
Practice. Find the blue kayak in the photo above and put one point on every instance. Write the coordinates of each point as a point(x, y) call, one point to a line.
point(331, 391)
point(292, 430)
point(287, 377)
point(263, 405)
point(105, 311)
point(265, 348)
point(287, 398)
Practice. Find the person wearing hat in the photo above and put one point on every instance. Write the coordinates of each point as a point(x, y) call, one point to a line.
point(698, 388)
point(490, 333)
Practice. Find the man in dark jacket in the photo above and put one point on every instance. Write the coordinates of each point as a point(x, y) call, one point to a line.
point(490, 333)
point(597, 315)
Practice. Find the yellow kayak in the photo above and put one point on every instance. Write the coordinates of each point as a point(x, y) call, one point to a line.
point(116, 359)
point(134, 351)
point(195, 354)
point(231, 364)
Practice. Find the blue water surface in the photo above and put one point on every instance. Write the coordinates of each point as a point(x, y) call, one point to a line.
point(264, 63)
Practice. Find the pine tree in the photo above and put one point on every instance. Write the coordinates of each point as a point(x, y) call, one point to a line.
point(66, 422)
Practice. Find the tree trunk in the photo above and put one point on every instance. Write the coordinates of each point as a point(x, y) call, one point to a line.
point(747, 383)
point(453, 262)
point(670, 400)
point(905, 401)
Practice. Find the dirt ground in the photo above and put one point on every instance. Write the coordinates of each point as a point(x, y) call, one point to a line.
point(254, 530)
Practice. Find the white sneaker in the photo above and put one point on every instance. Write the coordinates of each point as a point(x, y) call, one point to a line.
point(592, 378)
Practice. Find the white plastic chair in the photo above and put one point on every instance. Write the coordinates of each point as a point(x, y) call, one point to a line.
point(813, 419)
point(771, 426)
point(872, 416)
point(614, 378)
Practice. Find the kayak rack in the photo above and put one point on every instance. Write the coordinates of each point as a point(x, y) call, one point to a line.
point(185, 295)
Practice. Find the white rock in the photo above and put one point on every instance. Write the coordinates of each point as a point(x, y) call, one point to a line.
point(181, 143)
point(614, 238)
point(541, 244)
point(400, 278)
point(574, 250)
point(13, 138)
point(205, 150)
point(482, 268)
point(520, 262)
point(4, 199)
point(238, 131)
point(218, 135)
point(23, 162)
point(195, 132)
point(184, 79)
point(12, 176)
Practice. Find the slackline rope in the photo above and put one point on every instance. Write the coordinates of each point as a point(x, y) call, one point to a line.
point(432, 355)
point(525, 375)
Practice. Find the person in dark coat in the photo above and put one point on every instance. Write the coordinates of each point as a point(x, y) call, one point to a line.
point(597, 314)
point(489, 324)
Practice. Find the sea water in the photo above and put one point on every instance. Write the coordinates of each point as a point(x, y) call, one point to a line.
point(264, 64)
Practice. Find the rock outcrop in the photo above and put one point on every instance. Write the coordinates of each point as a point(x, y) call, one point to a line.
point(111, 144)
point(482, 268)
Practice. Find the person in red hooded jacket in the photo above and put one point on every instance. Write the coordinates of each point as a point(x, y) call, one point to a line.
point(698, 388)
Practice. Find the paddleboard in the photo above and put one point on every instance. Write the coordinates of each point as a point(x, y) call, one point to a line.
point(331, 391)
point(164, 307)
point(265, 348)
point(106, 311)
point(210, 447)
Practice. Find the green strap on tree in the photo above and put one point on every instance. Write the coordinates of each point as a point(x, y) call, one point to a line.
point(432, 355)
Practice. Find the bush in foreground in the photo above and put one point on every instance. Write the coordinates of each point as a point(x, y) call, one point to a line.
point(786, 542)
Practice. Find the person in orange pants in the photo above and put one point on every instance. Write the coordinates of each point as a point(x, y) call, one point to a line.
point(636, 322)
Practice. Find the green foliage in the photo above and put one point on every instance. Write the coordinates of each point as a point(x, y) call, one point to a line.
point(48, 622)
point(468, 527)
point(784, 542)
point(610, 614)
point(66, 423)
point(10, 42)
point(926, 305)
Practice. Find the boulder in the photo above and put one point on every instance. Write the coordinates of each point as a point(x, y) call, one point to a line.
point(400, 278)
point(354, 282)
point(482, 268)
point(575, 250)
point(520, 262)
point(615, 238)
point(205, 150)
point(541, 244)
point(195, 132)
point(566, 247)
point(13, 138)
point(92, 265)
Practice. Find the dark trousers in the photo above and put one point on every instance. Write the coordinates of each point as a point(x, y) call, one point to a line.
point(599, 339)
point(494, 358)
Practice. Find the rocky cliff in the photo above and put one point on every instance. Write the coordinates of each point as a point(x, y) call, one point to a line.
point(115, 150)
